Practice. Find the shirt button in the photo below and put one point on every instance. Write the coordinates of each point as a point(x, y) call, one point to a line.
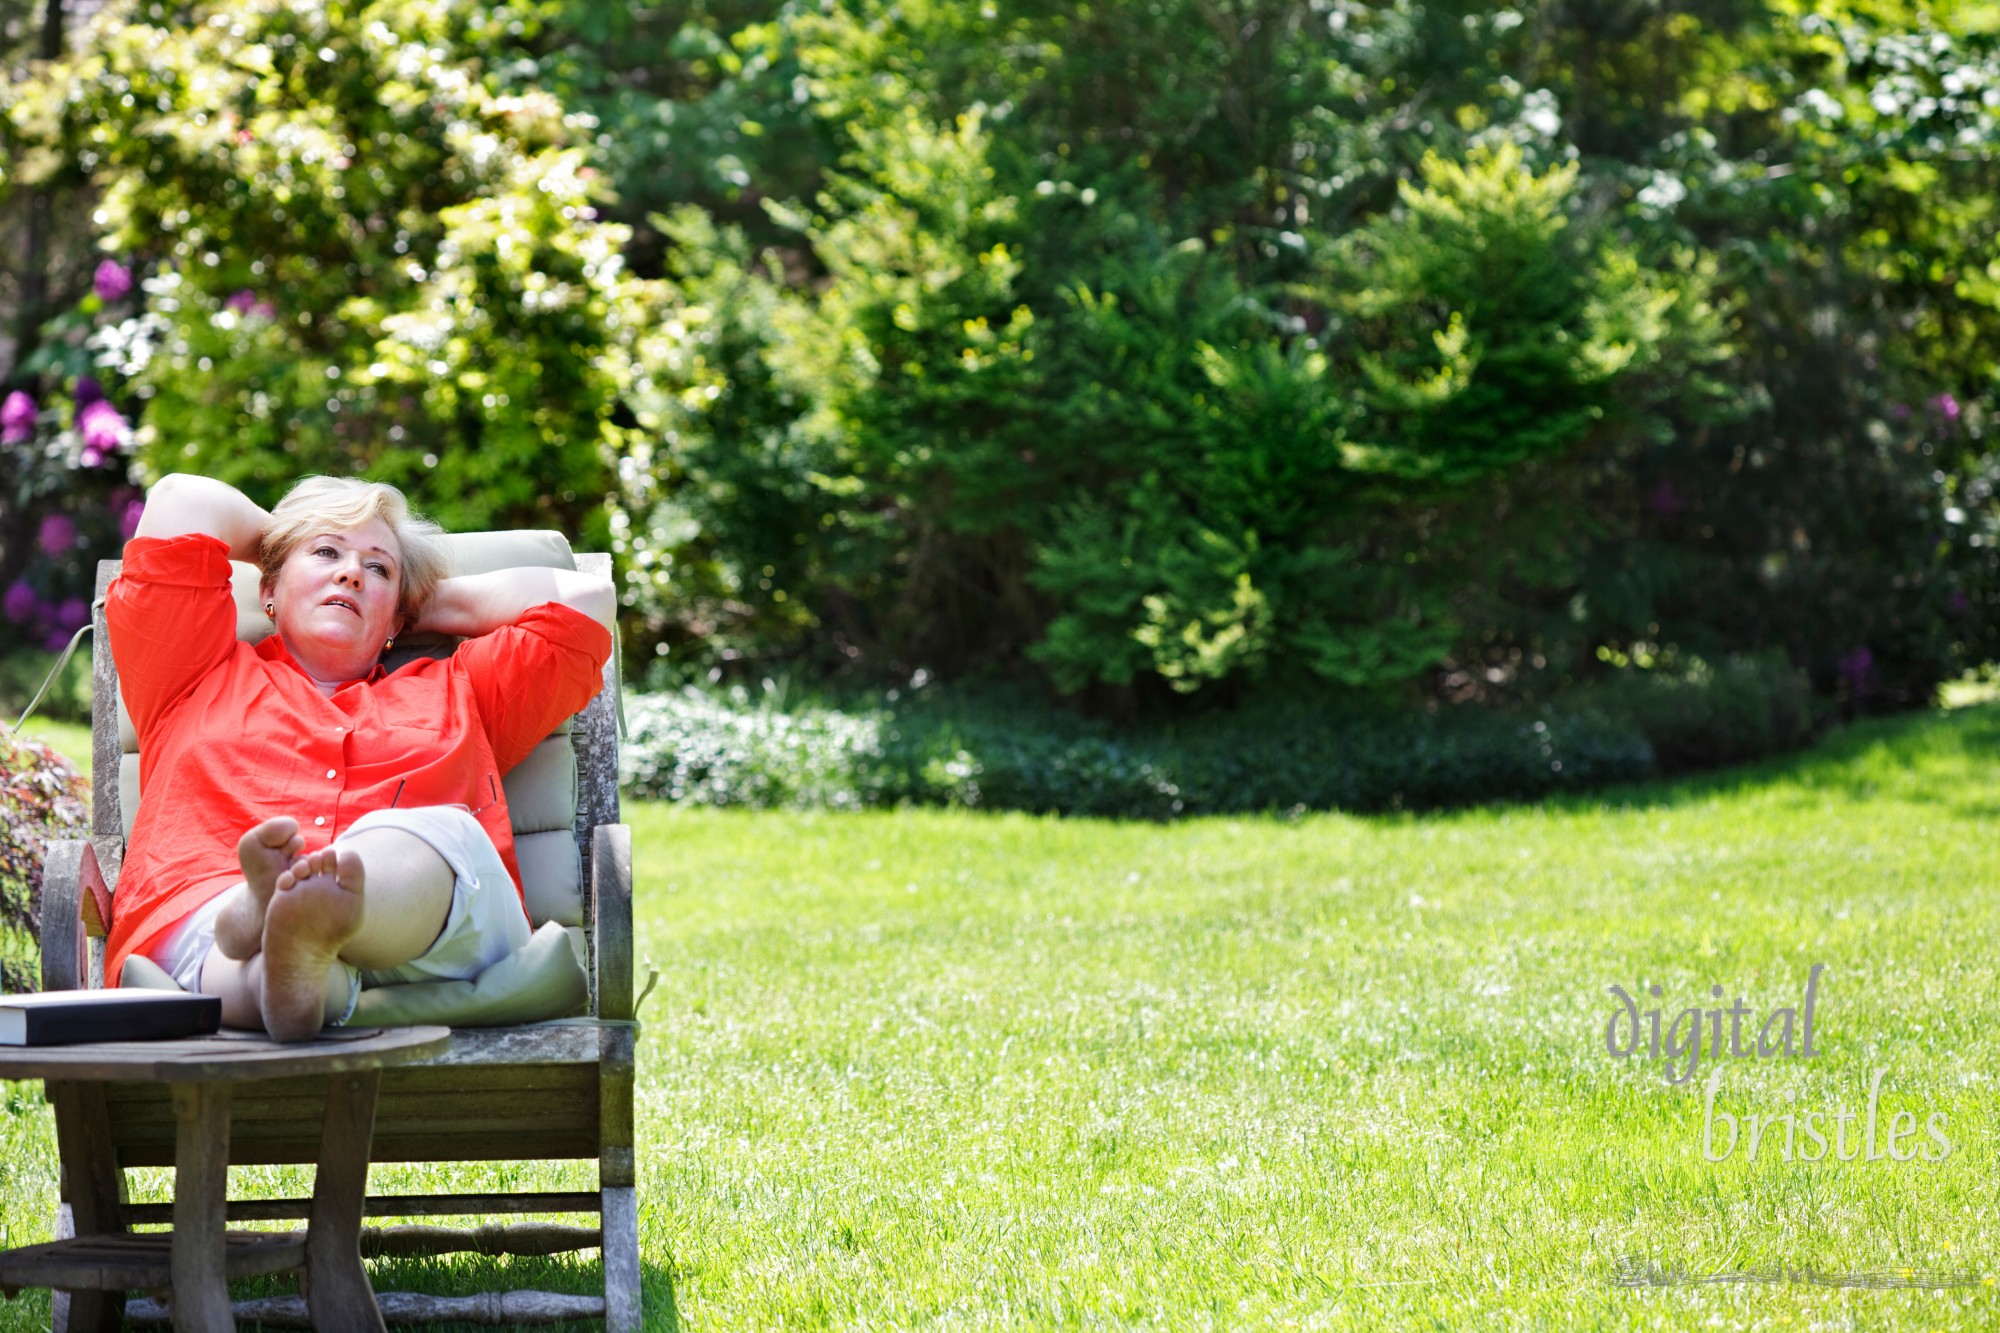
point(329, 772)
point(320, 820)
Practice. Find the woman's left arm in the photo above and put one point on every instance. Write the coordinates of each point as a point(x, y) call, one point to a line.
point(475, 604)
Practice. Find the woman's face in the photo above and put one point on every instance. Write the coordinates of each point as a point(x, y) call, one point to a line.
point(335, 600)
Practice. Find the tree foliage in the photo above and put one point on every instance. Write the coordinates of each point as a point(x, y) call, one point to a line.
point(366, 247)
point(1171, 348)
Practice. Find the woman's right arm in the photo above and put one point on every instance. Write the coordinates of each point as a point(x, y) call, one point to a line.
point(170, 614)
point(180, 504)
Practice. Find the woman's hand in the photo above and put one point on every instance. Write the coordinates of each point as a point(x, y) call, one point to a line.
point(475, 604)
point(181, 504)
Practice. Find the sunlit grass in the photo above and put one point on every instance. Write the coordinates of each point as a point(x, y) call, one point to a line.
point(947, 1071)
point(939, 1071)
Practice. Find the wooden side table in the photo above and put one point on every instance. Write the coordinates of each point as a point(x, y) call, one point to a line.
point(102, 1260)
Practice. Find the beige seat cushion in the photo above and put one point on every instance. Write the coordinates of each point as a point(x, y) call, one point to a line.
point(544, 979)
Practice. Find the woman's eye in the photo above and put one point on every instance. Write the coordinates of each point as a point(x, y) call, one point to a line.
point(324, 550)
point(383, 570)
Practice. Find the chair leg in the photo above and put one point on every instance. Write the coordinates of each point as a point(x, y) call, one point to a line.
point(620, 1220)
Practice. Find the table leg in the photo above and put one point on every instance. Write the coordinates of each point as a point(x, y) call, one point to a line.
point(201, 1184)
point(337, 1290)
point(91, 1194)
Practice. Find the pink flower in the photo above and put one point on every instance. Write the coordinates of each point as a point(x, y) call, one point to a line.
point(1858, 669)
point(21, 603)
point(58, 534)
point(1665, 500)
point(113, 281)
point(127, 502)
point(103, 429)
point(1946, 405)
point(91, 457)
point(250, 305)
point(17, 418)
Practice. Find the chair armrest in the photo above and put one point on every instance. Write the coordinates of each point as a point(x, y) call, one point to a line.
point(77, 879)
point(611, 919)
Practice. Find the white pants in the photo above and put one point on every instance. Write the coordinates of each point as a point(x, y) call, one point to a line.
point(484, 925)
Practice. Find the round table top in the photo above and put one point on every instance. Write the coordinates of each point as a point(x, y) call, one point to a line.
point(228, 1056)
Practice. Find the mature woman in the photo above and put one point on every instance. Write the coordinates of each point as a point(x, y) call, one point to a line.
point(313, 823)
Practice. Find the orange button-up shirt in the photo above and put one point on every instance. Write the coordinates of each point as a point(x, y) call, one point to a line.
point(231, 734)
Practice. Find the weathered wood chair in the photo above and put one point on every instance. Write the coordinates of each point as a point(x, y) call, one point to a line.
point(551, 1090)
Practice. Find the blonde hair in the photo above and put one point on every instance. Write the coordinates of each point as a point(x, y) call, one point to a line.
point(341, 504)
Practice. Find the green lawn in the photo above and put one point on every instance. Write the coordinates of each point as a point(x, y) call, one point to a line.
point(72, 738)
point(949, 1071)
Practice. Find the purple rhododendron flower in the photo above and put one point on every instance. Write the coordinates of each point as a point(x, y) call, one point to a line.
point(56, 641)
point(113, 281)
point(127, 502)
point(1857, 669)
point(17, 418)
point(1947, 406)
point(102, 428)
point(20, 603)
point(71, 615)
point(247, 302)
point(91, 456)
point(88, 391)
point(1665, 500)
point(58, 534)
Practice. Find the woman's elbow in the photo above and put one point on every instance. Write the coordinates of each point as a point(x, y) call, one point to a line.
point(173, 506)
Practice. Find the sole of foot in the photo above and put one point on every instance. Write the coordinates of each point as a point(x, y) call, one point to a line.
point(265, 852)
point(316, 906)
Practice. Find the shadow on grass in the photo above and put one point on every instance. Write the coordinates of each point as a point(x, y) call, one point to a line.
point(450, 1275)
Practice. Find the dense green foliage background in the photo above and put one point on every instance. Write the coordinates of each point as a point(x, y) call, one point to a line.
point(1167, 352)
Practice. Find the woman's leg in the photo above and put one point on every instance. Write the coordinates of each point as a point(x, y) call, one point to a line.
point(240, 983)
point(409, 898)
point(314, 922)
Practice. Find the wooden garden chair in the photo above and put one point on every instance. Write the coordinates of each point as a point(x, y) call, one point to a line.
point(526, 1091)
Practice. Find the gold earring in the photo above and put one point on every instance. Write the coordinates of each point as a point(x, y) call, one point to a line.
point(387, 644)
point(271, 610)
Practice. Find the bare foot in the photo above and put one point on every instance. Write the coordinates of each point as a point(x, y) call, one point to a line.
point(265, 853)
point(315, 907)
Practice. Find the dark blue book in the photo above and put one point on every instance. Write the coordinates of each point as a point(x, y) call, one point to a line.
point(63, 1017)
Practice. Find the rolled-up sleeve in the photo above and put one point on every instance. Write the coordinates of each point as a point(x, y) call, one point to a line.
point(527, 677)
point(171, 620)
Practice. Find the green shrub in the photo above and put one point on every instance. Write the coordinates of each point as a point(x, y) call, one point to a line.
point(364, 243)
point(725, 749)
point(41, 796)
point(68, 696)
point(1703, 716)
point(1006, 754)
